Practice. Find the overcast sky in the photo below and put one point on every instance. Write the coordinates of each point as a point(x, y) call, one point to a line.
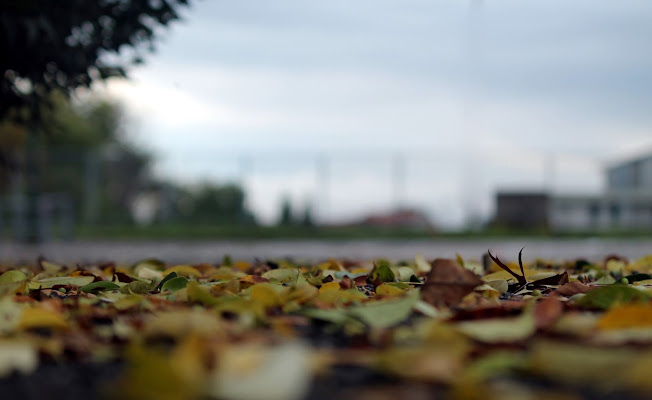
point(361, 105)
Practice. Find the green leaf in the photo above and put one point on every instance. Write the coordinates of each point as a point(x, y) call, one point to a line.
point(609, 296)
point(9, 288)
point(285, 275)
point(400, 285)
point(99, 286)
point(135, 287)
point(12, 276)
point(630, 278)
point(404, 274)
point(500, 330)
point(383, 272)
point(385, 313)
point(175, 284)
point(335, 316)
point(167, 278)
point(60, 280)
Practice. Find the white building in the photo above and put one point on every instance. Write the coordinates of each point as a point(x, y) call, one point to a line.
point(626, 204)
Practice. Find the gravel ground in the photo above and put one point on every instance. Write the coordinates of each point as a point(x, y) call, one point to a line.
point(128, 251)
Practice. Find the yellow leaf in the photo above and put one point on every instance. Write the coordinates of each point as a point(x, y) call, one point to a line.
point(200, 294)
point(241, 265)
point(422, 363)
point(41, 318)
point(187, 359)
point(615, 266)
point(129, 301)
point(360, 270)
point(301, 294)
point(225, 273)
point(633, 315)
point(340, 296)
point(329, 286)
point(183, 270)
point(179, 324)
point(529, 273)
point(150, 375)
point(643, 264)
point(388, 290)
point(265, 295)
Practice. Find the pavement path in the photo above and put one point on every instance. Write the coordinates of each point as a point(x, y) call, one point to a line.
point(128, 251)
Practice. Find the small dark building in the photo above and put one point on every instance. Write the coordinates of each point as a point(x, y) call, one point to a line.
point(521, 210)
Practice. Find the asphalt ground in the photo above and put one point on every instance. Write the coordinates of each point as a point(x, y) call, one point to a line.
point(212, 251)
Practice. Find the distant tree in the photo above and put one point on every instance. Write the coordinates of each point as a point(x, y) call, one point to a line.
point(220, 204)
point(62, 45)
point(287, 216)
point(76, 139)
point(307, 219)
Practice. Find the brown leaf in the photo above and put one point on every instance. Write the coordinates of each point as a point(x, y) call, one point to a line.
point(346, 283)
point(519, 278)
point(361, 280)
point(122, 277)
point(559, 279)
point(547, 312)
point(573, 288)
point(447, 283)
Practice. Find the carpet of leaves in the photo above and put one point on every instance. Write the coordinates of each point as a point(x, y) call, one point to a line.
point(289, 330)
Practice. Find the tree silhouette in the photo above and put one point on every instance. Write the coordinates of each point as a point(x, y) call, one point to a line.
point(62, 45)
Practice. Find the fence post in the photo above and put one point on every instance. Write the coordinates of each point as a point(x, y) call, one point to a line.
point(91, 188)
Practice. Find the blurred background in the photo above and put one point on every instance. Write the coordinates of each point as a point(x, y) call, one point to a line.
point(339, 119)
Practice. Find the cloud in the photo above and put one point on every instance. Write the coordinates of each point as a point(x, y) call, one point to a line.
point(495, 90)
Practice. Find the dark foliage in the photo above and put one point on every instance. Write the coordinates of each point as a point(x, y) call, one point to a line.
point(62, 45)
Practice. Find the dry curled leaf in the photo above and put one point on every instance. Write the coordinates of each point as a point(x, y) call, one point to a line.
point(447, 283)
point(572, 288)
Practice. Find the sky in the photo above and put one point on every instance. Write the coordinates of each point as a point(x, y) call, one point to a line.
point(359, 106)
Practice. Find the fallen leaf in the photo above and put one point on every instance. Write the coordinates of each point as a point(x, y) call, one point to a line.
point(500, 330)
point(134, 287)
point(12, 276)
point(329, 286)
point(613, 295)
point(385, 313)
point(388, 290)
point(174, 284)
point(383, 272)
point(41, 318)
point(555, 280)
point(184, 270)
point(60, 280)
point(17, 356)
point(99, 286)
point(265, 294)
point(547, 312)
point(262, 373)
point(642, 265)
point(521, 279)
point(572, 288)
point(628, 316)
point(447, 283)
point(285, 275)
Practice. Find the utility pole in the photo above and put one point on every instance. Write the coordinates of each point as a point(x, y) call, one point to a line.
point(322, 197)
point(398, 181)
